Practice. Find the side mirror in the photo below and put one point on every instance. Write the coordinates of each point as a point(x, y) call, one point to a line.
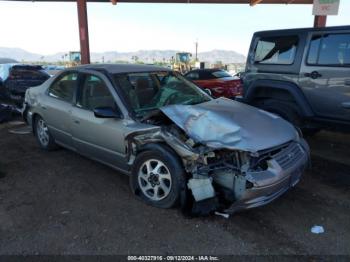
point(106, 112)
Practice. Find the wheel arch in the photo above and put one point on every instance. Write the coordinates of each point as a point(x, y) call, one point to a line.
point(280, 90)
point(34, 116)
point(160, 147)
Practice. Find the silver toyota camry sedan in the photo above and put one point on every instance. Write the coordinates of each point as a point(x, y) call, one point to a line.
point(177, 144)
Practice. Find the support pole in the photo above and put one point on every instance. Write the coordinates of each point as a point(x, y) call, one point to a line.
point(320, 21)
point(255, 2)
point(83, 32)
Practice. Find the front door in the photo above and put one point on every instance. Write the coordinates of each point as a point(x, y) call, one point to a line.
point(325, 74)
point(98, 138)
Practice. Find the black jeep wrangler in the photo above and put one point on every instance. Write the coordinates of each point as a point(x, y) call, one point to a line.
point(303, 75)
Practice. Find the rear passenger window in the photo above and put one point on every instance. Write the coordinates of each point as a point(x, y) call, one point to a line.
point(64, 87)
point(276, 50)
point(94, 93)
point(330, 49)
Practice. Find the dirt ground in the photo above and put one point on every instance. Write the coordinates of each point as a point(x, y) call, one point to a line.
point(62, 203)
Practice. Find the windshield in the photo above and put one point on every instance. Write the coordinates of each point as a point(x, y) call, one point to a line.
point(149, 91)
point(221, 74)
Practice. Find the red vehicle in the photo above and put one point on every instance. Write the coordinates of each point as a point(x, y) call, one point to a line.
point(218, 81)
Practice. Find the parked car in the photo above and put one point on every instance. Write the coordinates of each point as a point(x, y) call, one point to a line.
point(53, 69)
point(302, 75)
point(176, 142)
point(15, 79)
point(219, 82)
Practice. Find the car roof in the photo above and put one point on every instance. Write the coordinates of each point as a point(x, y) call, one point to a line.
point(37, 67)
point(306, 29)
point(18, 65)
point(122, 68)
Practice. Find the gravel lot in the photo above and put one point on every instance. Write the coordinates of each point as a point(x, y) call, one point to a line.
point(62, 203)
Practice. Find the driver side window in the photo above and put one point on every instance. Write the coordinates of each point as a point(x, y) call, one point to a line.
point(140, 88)
point(94, 93)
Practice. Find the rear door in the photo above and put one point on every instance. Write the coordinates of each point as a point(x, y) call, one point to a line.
point(325, 74)
point(98, 138)
point(57, 107)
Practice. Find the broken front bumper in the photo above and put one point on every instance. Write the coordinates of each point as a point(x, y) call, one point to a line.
point(284, 172)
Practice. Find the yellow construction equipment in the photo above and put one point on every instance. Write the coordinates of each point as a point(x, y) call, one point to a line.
point(182, 62)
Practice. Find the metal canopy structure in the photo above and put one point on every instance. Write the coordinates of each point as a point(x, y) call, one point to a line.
point(319, 21)
point(251, 2)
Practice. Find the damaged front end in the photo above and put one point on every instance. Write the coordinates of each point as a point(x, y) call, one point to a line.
point(223, 177)
point(236, 180)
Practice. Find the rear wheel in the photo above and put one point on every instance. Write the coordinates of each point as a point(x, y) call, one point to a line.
point(42, 134)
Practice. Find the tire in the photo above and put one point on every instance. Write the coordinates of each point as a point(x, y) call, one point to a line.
point(309, 132)
point(283, 109)
point(158, 177)
point(287, 110)
point(42, 134)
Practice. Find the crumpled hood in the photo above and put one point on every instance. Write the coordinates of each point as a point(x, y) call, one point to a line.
point(224, 123)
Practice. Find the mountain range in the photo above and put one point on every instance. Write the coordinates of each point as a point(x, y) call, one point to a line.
point(147, 56)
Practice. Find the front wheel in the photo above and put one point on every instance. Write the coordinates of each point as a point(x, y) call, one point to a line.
point(158, 177)
point(42, 134)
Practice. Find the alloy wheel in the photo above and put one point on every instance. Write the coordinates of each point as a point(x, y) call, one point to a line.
point(154, 179)
point(42, 132)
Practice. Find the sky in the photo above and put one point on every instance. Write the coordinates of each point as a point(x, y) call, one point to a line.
point(48, 28)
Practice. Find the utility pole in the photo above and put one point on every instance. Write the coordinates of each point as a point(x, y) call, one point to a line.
point(83, 31)
point(320, 20)
point(197, 50)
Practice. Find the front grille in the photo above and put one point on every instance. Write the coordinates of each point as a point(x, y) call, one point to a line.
point(287, 157)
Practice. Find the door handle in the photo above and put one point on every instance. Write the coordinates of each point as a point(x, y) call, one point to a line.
point(76, 122)
point(43, 107)
point(313, 75)
point(347, 82)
